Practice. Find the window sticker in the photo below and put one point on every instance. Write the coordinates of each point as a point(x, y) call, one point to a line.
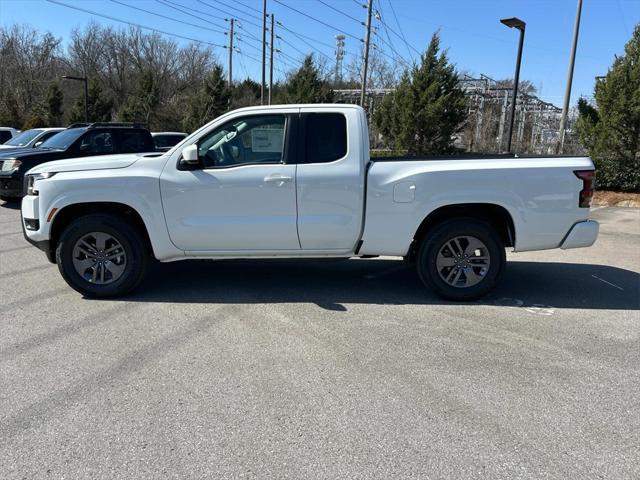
point(268, 140)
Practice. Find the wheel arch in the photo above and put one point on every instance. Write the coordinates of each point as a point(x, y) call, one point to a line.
point(69, 213)
point(496, 215)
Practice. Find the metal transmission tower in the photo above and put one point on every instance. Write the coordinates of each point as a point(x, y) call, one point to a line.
point(339, 57)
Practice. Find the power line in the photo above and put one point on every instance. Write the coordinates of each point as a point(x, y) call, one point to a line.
point(229, 13)
point(294, 47)
point(252, 15)
point(249, 7)
point(409, 47)
point(168, 18)
point(248, 32)
point(359, 22)
point(244, 40)
point(389, 43)
point(316, 20)
point(303, 38)
point(90, 12)
point(178, 7)
point(240, 52)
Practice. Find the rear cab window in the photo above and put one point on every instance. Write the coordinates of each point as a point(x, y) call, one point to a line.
point(325, 138)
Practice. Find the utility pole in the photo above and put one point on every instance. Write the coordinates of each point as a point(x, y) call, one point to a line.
point(339, 58)
point(365, 65)
point(273, 23)
point(572, 62)
point(86, 93)
point(231, 54)
point(264, 49)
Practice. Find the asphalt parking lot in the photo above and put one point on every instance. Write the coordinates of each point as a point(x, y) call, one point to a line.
point(346, 369)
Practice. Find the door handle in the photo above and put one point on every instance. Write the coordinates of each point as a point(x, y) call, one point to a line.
point(277, 178)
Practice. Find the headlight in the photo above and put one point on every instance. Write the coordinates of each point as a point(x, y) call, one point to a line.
point(10, 165)
point(33, 178)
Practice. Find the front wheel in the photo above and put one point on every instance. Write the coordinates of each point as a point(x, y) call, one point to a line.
point(461, 259)
point(101, 256)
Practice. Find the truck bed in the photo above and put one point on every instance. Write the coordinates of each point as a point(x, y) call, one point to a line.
point(464, 156)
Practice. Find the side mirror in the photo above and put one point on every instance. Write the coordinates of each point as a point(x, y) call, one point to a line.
point(190, 155)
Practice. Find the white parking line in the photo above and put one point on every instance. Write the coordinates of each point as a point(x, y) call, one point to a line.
point(608, 283)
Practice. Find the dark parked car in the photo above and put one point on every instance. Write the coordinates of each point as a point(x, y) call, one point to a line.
point(165, 140)
point(80, 140)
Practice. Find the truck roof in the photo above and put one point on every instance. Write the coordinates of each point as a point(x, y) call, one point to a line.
point(319, 106)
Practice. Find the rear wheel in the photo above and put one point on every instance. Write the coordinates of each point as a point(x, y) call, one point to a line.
point(102, 256)
point(462, 259)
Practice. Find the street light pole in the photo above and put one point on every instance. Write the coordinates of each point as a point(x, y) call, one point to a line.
point(567, 94)
point(86, 93)
point(521, 26)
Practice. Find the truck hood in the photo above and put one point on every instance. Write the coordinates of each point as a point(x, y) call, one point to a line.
point(103, 162)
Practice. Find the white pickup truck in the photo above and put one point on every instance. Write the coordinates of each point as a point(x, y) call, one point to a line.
point(297, 181)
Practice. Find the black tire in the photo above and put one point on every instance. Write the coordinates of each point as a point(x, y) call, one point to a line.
point(127, 235)
point(9, 199)
point(435, 240)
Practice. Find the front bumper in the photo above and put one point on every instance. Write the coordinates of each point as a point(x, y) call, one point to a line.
point(582, 234)
point(43, 245)
point(11, 186)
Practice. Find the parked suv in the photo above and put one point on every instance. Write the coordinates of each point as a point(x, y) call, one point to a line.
point(79, 140)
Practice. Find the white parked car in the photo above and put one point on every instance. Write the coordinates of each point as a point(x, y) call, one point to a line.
point(296, 181)
point(7, 133)
point(29, 139)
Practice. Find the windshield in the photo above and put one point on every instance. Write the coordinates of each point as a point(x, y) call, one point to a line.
point(23, 138)
point(63, 139)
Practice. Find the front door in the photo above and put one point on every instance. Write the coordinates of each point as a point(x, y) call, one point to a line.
point(242, 195)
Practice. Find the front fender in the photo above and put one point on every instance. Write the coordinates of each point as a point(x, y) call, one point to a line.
point(139, 193)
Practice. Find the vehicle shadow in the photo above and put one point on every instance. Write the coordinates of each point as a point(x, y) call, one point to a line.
point(332, 284)
point(11, 204)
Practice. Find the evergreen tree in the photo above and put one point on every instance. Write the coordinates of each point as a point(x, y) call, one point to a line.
point(141, 106)
point(55, 99)
point(306, 86)
point(427, 109)
point(99, 106)
point(245, 94)
point(34, 120)
point(209, 102)
point(610, 130)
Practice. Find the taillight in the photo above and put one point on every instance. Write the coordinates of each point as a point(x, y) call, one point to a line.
point(586, 194)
